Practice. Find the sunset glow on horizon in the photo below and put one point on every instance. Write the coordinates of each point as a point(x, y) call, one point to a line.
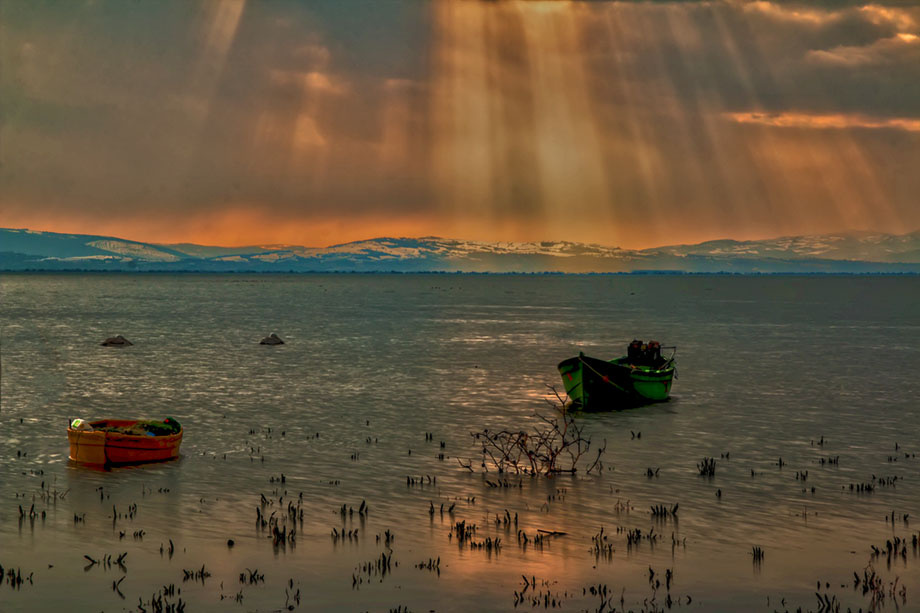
point(234, 123)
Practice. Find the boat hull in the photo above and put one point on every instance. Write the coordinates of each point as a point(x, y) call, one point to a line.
point(114, 448)
point(601, 385)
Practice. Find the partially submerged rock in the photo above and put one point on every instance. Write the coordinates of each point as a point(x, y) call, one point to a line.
point(272, 339)
point(116, 341)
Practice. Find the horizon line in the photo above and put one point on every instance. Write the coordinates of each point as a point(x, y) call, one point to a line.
point(435, 237)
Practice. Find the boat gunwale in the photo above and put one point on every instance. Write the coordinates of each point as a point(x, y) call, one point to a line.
point(668, 369)
point(149, 448)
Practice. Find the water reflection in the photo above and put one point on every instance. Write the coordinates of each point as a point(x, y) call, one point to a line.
point(341, 411)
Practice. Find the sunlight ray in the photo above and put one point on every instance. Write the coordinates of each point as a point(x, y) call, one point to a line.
point(220, 20)
point(515, 128)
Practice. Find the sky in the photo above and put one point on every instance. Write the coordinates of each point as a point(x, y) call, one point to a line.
point(634, 124)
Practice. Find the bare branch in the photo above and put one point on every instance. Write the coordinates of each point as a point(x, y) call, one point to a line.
point(555, 444)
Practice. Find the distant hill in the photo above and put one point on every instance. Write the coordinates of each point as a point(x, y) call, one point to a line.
point(853, 246)
point(852, 252)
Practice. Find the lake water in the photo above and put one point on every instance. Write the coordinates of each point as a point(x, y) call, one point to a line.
point(798, 368)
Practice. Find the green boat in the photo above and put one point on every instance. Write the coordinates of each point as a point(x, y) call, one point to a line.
point(640, 377)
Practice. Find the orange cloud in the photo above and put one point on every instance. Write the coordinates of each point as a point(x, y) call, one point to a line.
point(238, 226)
point(797, 14)
point(902, 19)
point(884, 50)
point(838, 121)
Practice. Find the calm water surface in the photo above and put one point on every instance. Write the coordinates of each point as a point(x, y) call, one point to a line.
point(767, 367)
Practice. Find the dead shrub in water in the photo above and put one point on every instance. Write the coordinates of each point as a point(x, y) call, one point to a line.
point(707, 467)
point(556, 444)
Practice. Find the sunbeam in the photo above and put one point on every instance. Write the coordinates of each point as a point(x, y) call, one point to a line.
point(541, 129)
point(626, 124)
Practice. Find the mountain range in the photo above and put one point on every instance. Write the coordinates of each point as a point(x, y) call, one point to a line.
point(849, 252)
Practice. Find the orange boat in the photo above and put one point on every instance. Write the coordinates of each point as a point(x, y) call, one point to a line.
point(107, 443)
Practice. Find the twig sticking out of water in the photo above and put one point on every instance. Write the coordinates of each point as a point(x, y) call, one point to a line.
point(463, 531)
point(635, 536)
point(288, 596)
point(14, 578)
point(506, 519)
point(116, 587)
point(106, 561)
point(350, 535)
point(373, 568)
point(602, 549)
point(662, 511)
point(421, 480)
point(433, 565)
point(464, 534)
point(252, 577)
point(537, 539)
point(159, 602)
point(707, 467)
point(195, 574)
point(388, 537)
point(539, 597)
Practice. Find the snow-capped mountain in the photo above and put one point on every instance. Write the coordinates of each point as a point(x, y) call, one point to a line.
point(863, 246)
point(847, 252)
point(68, 247)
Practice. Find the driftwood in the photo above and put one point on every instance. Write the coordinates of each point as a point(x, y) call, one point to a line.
point(556, 444)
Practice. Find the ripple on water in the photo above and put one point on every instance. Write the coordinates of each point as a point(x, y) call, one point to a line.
point(372, 363)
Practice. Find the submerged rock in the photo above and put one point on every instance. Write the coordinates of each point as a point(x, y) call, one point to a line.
point(272, 339)
point(116, 341)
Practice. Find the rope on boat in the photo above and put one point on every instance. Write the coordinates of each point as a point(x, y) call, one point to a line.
point(77, 443)
point(603, 377)
point(105, 452)
point(606, 379)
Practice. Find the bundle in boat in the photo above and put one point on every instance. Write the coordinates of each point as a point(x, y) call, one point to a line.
point(112, 442)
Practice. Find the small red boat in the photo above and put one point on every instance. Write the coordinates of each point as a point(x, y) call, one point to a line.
point(120, 441)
